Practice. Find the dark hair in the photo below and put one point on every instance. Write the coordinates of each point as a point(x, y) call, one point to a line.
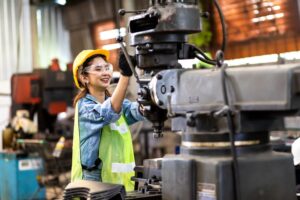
point(81, 70)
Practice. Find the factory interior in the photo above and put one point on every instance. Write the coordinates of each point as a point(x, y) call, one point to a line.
point(216, 83)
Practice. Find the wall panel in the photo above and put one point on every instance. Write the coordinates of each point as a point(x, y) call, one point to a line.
point(262, 26)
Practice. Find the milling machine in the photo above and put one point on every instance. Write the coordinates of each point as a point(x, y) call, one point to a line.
point(224, 114)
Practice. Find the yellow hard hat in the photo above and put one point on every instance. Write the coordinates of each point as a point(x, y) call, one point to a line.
point(82, 57)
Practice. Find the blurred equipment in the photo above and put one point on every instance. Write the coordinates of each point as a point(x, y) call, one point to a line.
point(7, 137)
point(148, 180)
point(224, 114)
point(296, 151)
point(45, 92)
point(296, 154)
point(20, 176)
point(37, 147)
point(22, 123)
point(59, 147)
point(56, 158)
point(21, 127)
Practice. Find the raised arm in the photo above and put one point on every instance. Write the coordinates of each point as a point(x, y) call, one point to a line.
point(120, 91)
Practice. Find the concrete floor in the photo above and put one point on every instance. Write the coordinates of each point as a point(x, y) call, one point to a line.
point(55, 191)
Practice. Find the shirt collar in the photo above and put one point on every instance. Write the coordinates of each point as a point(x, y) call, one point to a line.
point(92, 98)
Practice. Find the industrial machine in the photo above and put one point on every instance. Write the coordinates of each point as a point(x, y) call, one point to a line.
point(224, 114)
point(44, 92)
point(21, 176)
point(31, 159)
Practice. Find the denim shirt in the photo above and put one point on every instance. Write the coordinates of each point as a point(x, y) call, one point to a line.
point(92, 117)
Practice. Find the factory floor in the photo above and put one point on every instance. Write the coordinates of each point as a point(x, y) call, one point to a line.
point(56, 190)
point(54, 193)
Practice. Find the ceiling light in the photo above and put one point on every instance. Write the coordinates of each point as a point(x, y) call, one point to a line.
point(61, 2)
point(112, 34)
point(111, 46)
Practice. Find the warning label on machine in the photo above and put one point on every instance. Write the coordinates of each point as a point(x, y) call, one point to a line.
point(206, 191)
point(30, 164)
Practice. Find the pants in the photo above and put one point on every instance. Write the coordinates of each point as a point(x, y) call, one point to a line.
point(92, 175)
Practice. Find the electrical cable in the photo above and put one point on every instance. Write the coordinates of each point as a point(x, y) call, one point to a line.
point(230, 124)
point(200, 51)
point(219, 61)
point(206, 59)
point(212, 62)
point(222, 18)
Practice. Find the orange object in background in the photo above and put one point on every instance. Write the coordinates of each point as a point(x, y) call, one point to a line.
point(45, 92)
point(28, 93)
point(54, 65)
point(70, 66)
point(56, 107)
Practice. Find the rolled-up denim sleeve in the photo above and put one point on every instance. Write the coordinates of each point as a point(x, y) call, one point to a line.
point(131, 112)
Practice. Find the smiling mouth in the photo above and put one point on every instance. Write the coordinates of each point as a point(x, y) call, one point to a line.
point(105, 80)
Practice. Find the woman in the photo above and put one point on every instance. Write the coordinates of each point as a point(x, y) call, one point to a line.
point(102, 146)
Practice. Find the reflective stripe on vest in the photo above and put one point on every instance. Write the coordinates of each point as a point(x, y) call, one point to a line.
point(121, 167)
point(116, 153)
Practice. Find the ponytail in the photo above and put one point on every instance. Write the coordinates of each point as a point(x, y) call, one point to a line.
point(79, 95)
point(107, 93)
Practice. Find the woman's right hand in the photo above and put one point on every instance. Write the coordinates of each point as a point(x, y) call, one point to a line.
point(125, 69)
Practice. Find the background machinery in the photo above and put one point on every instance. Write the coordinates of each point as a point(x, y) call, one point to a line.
point(37, 144)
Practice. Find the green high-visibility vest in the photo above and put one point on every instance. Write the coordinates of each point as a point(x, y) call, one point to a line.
point(115, 151)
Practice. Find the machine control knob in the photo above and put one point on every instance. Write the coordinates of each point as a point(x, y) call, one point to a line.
point(191, 121)
point(143, 92)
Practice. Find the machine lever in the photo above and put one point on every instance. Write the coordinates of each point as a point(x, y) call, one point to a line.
point(221, 112)
point(120, 40)
point(169, 108)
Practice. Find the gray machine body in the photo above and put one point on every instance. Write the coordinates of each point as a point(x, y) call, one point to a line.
point(260, 98)
point(255, 88)
point(263, 176)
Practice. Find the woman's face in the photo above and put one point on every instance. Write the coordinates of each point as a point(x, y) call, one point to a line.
point(99, 73)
